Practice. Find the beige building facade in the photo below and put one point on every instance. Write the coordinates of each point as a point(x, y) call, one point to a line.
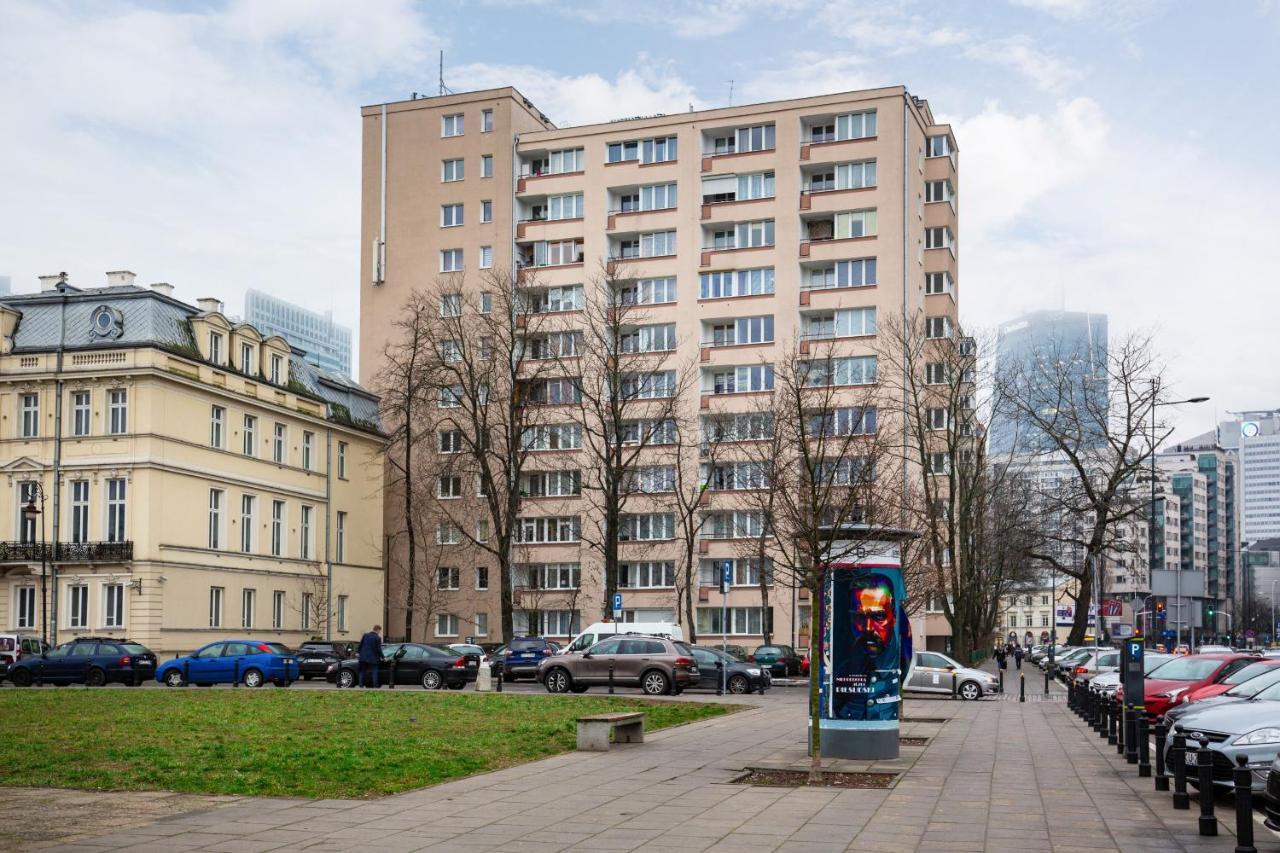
point(742, 232)
point(194, 480)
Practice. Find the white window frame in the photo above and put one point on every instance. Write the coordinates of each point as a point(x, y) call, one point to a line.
point(486, 165)
point(216, 505)
point(452, 215)
point(279, 521)
point(217, 604)
point(486, 211)
point(118, 411)
point(453, 124)
point(342, 614)
point(451, 260)
point(25, 603)
point(113, 605)
point(486, 121)
point(249, 435)
point(248, 512)
point(305, 518)
point(81, 413)
point(29, 408)
point(79, 511)
point(277, 609)
point(340, 537)
point(280, 443)
point(308, 450)
point(248, 607)
point(77, 606)
point(217, 426)
point(446, 625)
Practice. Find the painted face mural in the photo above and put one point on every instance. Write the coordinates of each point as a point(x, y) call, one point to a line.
point(873, 613)
point(866, 648)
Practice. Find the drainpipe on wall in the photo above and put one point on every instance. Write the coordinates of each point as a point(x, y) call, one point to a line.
point(328, 527)
point(906, 115)
point(57, 465)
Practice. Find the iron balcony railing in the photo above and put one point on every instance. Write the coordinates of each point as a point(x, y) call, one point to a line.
point(66, 552)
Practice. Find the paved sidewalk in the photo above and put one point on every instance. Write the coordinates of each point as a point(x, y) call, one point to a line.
point(998, 775)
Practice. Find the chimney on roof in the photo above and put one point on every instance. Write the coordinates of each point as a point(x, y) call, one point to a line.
point(163, 287)
point(51, 282)
point(209, 304)
point(120, 278)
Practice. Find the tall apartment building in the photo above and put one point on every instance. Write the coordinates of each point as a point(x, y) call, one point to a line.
point(178, 478)
point(321, 341)
point(1252, 438)
point(739, 229)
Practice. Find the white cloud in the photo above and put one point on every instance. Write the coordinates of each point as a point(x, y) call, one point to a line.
point(1066, 9)
point(808, 73)
point(1018, 53)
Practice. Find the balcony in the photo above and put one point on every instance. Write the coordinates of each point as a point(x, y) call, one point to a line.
point(66, 552)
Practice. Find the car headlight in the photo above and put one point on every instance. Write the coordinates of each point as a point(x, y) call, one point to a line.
point(1174, 693)
point(1258, 737)
point(751, 671)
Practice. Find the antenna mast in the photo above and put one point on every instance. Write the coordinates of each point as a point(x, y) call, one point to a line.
point(730, 93)
point(442, 90)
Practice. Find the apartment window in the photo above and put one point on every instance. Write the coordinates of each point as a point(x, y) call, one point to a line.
point(724, 285)
point(858, 223)
point(113, 605)
point(855, 273)
point(844, 323)
point(482, 530)
point(450, 260)
point(246, 358)
point(26, 606)
point(115, 511)
point(935, 373)
point(277, 369)
point(118, 409)
point(849, 370)
point(446, 625)
point(856, 125)
point(250, 432)
point(654, 385)
point(486, 121)
point(277, 609)
point(739, 427)
point(447, 534)
point(486, 259)
point(450, 215)
point(451, 125)
point(938, 237)
point(568, 206)
point(308, 602)
point(641, 527)
point(566, 298)
point(217, 419)
point(216, 594)
point(26, 525)
point(482, 624)
point(248, 503)
point(451, 305)
point(659, 150)
point(80, 413)
point(304, 533)
point(248, 602)
point(939, 463)
point(447, 577)
point(79, 511)
point(342, 613)
point(937, 282)
point(938, 418)
point(939, 146)
point(736, 476)
point(756, 185)
point(552, 437)
point(215, 518)
point(739, 380)
point(937, 327)
point(452, 170)
point(30, 408)
point(551, 484)
point(853, 420)
point(482, 577)
point(449, 487)
point(556, 253)
point(744, 330)
point(937, 191)
point(78, 606)
point(845, 176)
point(754, 234)
point(656, 338)
point(450, 441)
point(486, 166)
point(551, 576)
point(486, 211)
point(277, 528)
point(342, 460)
point(308, 449)
point(756, 138)
point(279, 443)
point(647, 291)
point(647, 575)
point(215, 347)
point(534, 531)
point(620, 152)
point(745, 621)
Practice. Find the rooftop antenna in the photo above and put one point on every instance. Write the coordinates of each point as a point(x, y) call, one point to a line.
point(730, 93)
point(444, 90)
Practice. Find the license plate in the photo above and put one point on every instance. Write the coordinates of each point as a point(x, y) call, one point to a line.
point(471, 663)
point(1192, 760)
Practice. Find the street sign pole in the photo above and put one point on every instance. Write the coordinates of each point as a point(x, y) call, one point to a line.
point(617, 610)
point(726, 580)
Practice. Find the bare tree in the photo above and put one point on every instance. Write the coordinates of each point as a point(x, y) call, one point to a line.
point(1088, 416)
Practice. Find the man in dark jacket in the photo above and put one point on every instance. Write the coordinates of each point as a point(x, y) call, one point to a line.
point(370, 656)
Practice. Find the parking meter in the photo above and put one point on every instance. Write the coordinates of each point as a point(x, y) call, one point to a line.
point(1131, 676)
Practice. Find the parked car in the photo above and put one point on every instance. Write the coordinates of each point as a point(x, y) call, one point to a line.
point(315, 657)
point(1214, 650)
point(782, 661)
point(933, 673)
point(1239, 693)
point(1249, 728)
point(14, 646)
point(657, 665)
point(1058, 654)
point(251, 662)
point(1109, 682)
point(473, 654)
point(1240, 676)
point(94, 661)
point(1272, 796)
point(1096, 662)
point(523, 655)
point(598, 631)
point(739, 676)
point(415, 663)
point(1169, 685)
point(1063, 664)
point(497, 652)
point(739, 652)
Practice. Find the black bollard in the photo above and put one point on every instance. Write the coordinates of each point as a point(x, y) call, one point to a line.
point(235, 681)
point(955, 685)
point(1046, 681)
point(1178, 755)
point(1120, 729)
point(1001, 673)
point(1131, 736)
point(610, 676)
point(1243, 778)
point(719, 678)
point(1113, 714)
point(502, 676)
point(1162, 781)
point(1204, 762)
point(1144, 746)
point(391, 676)
point(1022, 687)
point(186, 673)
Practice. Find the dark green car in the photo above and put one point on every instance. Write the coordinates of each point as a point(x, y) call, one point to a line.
point(782, 661)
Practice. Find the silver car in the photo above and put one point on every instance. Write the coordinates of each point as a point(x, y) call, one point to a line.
point(1250, 728)
point(934, 672)
point(1109, 682)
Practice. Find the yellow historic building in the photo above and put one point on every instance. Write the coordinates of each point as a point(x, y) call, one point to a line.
point(176, 477)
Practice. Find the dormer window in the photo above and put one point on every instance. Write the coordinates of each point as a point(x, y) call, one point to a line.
point(215, 347)
point(277, 368)
point(246, 358)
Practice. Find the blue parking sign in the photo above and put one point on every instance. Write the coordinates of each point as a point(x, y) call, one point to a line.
point(617, 603)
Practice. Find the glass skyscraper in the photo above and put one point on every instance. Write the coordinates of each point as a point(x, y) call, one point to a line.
point(327, 344)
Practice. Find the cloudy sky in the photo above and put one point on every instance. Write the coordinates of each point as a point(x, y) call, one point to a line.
point(1111, 151)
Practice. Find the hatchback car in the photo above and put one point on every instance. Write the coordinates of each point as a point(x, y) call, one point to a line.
point(1239, 693)
point(412, 663)
point(657, 665)
point(782, 661)
point(716, 667)
point(523, 655)
point(249, 662)
point(1251, 729)
point(94, 661)
point(934, 672)
point(1169, 685)
point(315, 658)
point(1109, 682)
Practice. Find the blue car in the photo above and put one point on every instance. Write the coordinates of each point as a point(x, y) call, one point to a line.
point(251, 662)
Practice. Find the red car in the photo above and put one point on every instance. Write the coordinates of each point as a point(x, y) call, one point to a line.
point(1169, 684)
point(1240, 676)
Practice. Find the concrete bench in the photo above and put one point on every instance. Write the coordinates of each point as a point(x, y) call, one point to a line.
point(593, 730)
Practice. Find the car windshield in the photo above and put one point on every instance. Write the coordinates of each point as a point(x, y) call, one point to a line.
point(1254, 686)
point(436, 650)
point(466, 649)
point(134, 648)
point(768, 650)
point(1150, 663)
point(1188, 669)
point(275, 648)
point(1253, 670)
point(526, 645)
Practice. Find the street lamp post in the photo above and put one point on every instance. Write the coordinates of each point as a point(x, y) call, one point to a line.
point(33, 514)
point(1151, 517)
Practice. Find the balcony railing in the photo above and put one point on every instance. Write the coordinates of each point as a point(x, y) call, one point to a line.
point(66, 552)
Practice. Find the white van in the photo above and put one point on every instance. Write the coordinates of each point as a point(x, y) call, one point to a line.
point(600, 630)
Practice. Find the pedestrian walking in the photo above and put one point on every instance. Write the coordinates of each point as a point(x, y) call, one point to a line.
point(1002, 658)
point(370, 657)
point(1017, 657)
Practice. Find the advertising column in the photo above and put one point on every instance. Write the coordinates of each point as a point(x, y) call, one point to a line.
point(866, 653)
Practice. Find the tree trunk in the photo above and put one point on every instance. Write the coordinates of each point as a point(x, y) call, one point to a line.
point(815, 659)
point(690, 576)
point(765, 625)
point(411, 588)
point(1080, 624)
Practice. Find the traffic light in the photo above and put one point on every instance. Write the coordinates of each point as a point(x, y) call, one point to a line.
point(1160, 612)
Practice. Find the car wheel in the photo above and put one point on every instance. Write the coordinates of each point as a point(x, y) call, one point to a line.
point(970, 690)
point(655, 683)
point(346, 678)
point(20, 677)
point(95, 678)
point(173, 678)
point(738, 684)
point(253, 678)
point(557, 681)
point(431, 680)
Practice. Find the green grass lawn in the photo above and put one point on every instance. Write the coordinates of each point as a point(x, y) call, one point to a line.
point(311, 743)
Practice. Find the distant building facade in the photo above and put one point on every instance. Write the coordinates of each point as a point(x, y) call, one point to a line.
point(325, 343)
point(6, 285)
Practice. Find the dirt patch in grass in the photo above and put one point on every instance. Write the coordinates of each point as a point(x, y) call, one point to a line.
point(800, 779)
